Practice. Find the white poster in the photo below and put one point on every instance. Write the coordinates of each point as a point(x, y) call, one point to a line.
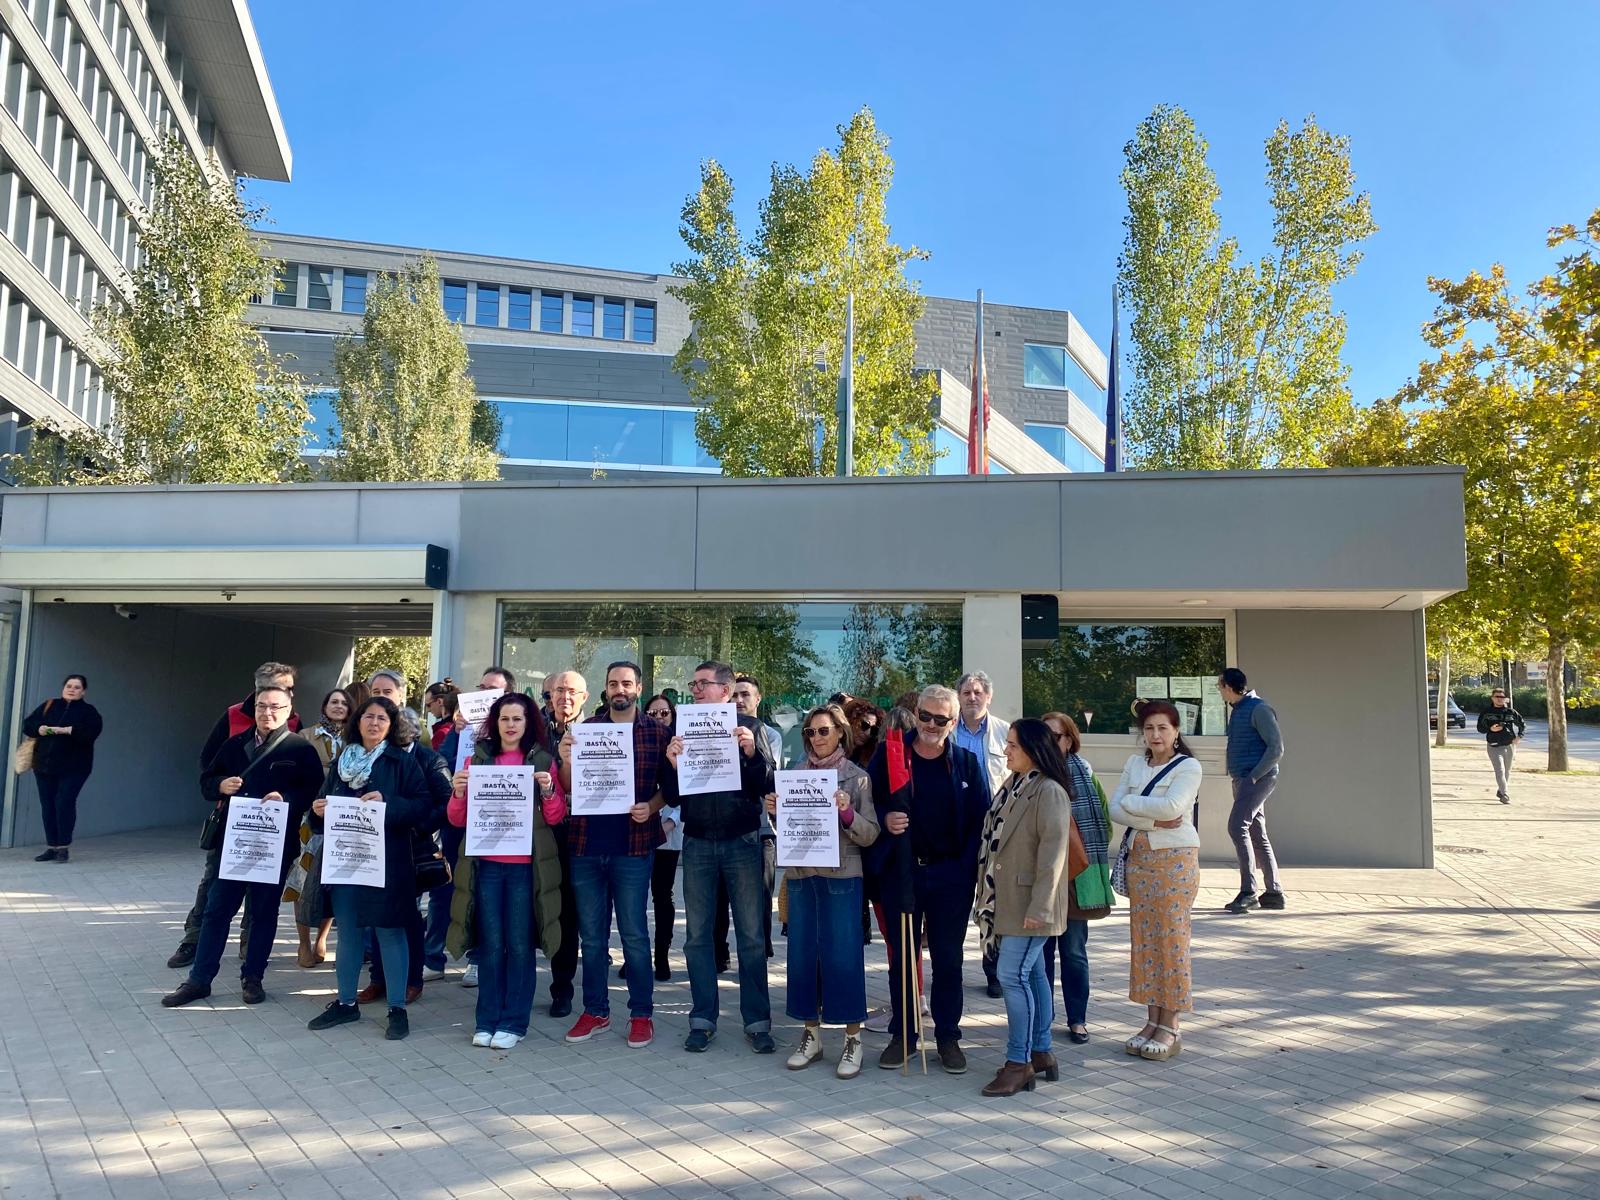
point(466, 740)
point(475, 705)
point(1213, 711)
point(1188, 717)
point(710, 758)
point(500, 804)
point(1150, 687)
point(807, 823)
point(602, 768)
point(1187, 687)
point(254, 839)
point(352, 842)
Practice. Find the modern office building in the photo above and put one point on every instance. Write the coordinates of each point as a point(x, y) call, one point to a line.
point(1075, 592)
point(579, 362)
point(91, 87)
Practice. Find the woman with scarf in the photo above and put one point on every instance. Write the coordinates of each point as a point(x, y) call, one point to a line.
point(827, 960)
point(1090, 897)
point(1023, 884)
point(303, 888)
point(374, 767)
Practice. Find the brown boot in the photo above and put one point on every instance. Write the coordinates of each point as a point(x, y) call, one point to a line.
point(368, 994)
point(1012, 1078)
point(1045, 1066)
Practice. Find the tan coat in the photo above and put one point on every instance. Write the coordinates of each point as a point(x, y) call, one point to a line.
point(1030, 866)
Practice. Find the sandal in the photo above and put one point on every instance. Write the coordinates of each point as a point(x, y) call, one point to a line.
point(1136, 1044)
point(310, 958)
point(1156, 1051)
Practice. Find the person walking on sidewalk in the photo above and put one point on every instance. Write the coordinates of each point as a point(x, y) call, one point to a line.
point(1255, 747)
point(1503, 726)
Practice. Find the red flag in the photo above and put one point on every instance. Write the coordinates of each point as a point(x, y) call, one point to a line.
point(896, 760)
point(978, 422)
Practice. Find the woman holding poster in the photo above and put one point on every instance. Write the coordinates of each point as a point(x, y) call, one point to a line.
point(827, 960)
point(507, 905)
point(373, 768)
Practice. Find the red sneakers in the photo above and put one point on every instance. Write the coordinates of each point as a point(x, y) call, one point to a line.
point(641, 1032)
point(587, 1026)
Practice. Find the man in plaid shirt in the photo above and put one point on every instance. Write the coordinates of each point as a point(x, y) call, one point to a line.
point(612, 857)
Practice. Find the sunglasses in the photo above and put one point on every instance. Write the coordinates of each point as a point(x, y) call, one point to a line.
point(819, 731)
point(933, 719)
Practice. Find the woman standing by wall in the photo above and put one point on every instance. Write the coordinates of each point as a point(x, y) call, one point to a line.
point(1155, 800)
point(63, 756)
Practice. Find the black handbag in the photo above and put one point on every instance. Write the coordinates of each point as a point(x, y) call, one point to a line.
point(211, 831)
point(432, 871)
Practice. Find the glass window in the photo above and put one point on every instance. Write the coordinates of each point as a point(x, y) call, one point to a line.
point(533, 430)
point(286, 289)
point(801, 653)
point(615, 313)
point(644, 321)
point(319, 293)
point(550, 306)
point(354, 299)
point(1052, 367)
point(680, 447)
point(606, 433)
point(455, 300)
point(519, 308)
point(488, 304)
point(1095, 671)
point(583, 316)
point(320, 430)
point(1063, 445)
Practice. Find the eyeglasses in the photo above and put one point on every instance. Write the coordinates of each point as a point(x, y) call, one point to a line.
point(934, 719)
point(272, 708)
point(700, 685)
point(819, 731)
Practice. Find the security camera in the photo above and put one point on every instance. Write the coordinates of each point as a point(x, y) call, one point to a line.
point(123, 611)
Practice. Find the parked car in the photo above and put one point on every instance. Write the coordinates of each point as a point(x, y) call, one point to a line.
point(1454, 717)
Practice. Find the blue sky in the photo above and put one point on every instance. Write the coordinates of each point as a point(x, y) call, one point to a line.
point(572, 133)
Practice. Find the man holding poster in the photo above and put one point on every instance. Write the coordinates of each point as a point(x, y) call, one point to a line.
point(722, 842)
point(614, 770)
point(273, 763)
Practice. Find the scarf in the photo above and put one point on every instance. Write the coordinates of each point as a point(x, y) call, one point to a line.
point(1092, 887)
point(355, 763)
point(831, 763)
point(993, 821)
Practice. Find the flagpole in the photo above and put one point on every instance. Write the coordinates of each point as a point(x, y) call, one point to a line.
point(1113, 451)
point(978, 421)
point(847, 402)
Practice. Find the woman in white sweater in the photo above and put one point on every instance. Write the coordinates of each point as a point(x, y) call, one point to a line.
point(1155, 800)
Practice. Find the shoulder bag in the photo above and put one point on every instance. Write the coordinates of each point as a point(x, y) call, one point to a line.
point(22, 756)
point(1119, 869)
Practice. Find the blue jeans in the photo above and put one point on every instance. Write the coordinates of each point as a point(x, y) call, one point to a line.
point(222, 902)
point(737, 863)
point(825, 940)
point(1029, 1007)
point(438, 926)
point(944, 910)
point(350, 949)
point(1074, 946)
point(602, 882)
point(504, 895)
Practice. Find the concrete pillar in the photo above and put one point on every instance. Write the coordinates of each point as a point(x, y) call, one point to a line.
point(991, 641)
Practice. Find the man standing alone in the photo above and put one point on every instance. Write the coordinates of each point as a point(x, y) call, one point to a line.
point(1504, 728)
point(1255, 746)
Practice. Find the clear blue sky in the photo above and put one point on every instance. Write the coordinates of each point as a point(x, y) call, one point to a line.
point(572, 133)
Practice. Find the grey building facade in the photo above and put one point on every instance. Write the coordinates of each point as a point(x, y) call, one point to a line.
point(1141, 577)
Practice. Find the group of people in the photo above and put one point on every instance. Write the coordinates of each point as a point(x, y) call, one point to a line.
point(945, 813)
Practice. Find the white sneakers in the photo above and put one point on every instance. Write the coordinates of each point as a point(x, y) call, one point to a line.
point(429, 974)
point(504, 1041)
point(850, 1060)
point(482, 1038)
point(469, 977)
point(810, 1050)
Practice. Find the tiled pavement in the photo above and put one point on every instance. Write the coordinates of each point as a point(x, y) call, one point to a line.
point(1395, 1034)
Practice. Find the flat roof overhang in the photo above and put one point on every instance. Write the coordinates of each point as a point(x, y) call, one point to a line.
point(219, 43)
point(150, 571)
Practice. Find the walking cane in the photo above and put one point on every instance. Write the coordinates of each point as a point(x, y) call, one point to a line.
point(922, 1033)
point(905, 995)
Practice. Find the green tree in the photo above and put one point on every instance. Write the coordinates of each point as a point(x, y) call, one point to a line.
point(407, 654)
point(765, 350)
point(197, 396)
point(1236, 364)
point(1514, 396)
point(407, 409)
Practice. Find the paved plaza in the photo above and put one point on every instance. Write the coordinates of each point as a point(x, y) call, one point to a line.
point(1394, 1034)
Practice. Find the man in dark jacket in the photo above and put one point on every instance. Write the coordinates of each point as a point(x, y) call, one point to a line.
point(238, 718)
point(278, 764)
point(935, 826)
point(722, 845)
point(1255, 751)
point(1503, 726)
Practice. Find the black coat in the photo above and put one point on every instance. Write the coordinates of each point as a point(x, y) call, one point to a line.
point(289, 766)
point(64, 753)
point(890, 860)
point(397, 776)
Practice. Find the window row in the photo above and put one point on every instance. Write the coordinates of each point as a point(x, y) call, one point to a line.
point(117, 26)
point(67, 157)
point(29, 225)
point(33, 345)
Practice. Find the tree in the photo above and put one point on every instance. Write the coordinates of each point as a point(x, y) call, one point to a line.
point(407, 409)
point(407, 654)
point(1514, 396)
point(197, 395)
point(765, 351)
point(1236, 364)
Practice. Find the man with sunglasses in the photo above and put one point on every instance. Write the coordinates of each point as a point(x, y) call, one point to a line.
point(1503, 727)
point(722, 846)
point(238, 718)
point(935, 825)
